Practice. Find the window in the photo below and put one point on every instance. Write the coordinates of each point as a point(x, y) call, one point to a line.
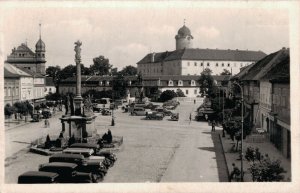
point(207, 63)
point(8, 91)
point(186, 91)
point(180, 83)
point(195, 91)
point(17, 91)
point(195, 63)
point(222, 64)
point(5, 91)
point(188, 63)
point(217, 64)
point(201, 63)
point(170, 83)
point(228, 64)
point(192, 83)
point(50, 89)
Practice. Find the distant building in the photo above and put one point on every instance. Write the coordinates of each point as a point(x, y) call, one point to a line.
point(18, 85)
point(24, 57)
point(186, 60)
point(49, 86)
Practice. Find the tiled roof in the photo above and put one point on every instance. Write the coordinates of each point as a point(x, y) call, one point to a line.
point(260, 68)
point(243, 71)
point(280, 72)
point(204, 54)
point(14, 70)
point(32, 73)
point(8, 74)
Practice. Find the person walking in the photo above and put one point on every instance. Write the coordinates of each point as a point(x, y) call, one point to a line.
point(190, 117)
point(213, 125)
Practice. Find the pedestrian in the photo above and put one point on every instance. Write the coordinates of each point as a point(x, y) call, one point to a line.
point(213, 125)
point(190, 117)
point(194, 101)
point(46, 124)
point(235, 172)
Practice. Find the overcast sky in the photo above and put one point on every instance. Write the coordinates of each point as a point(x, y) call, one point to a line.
point(125, 34)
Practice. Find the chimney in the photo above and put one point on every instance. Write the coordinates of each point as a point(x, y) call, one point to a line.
point(152, 56)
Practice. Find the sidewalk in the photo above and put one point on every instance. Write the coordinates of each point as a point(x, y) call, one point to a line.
point(265, 148)
point(12, 123)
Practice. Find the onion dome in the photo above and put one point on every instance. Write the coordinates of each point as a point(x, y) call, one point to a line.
point(184, 31)
point(40, 45)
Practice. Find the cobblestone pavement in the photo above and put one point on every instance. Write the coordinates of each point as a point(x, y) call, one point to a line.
point(152, 151)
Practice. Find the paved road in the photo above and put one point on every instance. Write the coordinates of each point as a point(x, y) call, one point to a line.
point(153, 151)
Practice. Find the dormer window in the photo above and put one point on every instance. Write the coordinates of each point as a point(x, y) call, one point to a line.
point(107, 83)
point(129, 82)
point(180, 83)
point(193, 83)
point(100, 83)
point(170, 83)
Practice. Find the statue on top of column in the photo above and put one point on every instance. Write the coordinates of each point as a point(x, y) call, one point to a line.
point(78, 51)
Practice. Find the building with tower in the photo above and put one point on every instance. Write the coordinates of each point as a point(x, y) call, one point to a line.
point(24, 57)
point(186, 60)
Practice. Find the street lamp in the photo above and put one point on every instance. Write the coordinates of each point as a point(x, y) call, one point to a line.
point(242, 134)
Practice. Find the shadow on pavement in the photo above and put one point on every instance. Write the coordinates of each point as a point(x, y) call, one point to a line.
point(220, 158)
point(207, 148)
point(205, 132)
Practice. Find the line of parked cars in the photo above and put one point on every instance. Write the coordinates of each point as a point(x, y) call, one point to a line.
point(79, 163)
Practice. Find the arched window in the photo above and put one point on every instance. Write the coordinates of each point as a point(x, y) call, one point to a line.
point(180, 83)
point(193, 83)
point(170, 83)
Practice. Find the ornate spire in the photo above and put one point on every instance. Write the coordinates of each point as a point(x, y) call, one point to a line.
point(40, 26)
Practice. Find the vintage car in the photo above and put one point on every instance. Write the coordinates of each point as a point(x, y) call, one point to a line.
point(106, 112)
point(94, 166)
point(47, 113)
point(93, 146)
point(83, 151)
point(36, 117)
point(68, 158)
point(153, 115)
point(175, 117)
point(138, 111)
point(163, 111)
point(97, 107)
point(67, 172)
point(37, 177)
point(108, 155)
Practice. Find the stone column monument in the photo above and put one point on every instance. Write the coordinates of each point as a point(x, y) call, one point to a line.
point(78, 98)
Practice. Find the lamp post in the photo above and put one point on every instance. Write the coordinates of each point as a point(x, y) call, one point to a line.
point(242, 134)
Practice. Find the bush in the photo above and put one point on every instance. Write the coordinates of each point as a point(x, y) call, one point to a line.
point(9, 110)
point(167, 95)
point(180, 93)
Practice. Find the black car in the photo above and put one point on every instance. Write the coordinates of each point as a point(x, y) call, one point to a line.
point(67, 172)
point(38, 177)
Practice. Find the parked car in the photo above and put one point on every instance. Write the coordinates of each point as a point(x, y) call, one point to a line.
point(175, 117)
point(154, 116)
point(83, 151)
point(93, 146)
point(38, 177)
point(111, 156)
point(46, 113)
point(163, 111)
point(138, 111)
point(36, 117)
point(97, 107)
point(67, 172)
point(106, 112)
point(68, 158)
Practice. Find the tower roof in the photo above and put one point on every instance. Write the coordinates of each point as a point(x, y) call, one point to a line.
point(184, 31)
point(40, 45)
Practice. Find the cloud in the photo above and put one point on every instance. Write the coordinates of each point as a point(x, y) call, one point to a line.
point(207, 32)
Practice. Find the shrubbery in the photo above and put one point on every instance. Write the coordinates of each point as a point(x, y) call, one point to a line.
point(167, 95)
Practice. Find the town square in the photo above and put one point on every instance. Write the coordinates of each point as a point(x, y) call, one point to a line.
point(99, 95)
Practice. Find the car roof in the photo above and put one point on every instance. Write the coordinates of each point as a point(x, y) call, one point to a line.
point(67, 155)
point(85, 145)
point(59, 164)
point(39, 174)
point(78, 149)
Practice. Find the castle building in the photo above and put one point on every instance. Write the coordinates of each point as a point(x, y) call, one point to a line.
point(24, 57)
point(186, 60)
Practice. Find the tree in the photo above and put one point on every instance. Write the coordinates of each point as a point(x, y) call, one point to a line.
point(180, 93)
point(266, 170)
point(207, 83)
point(129, 71)
point(167, 95)
point(68, 71)
point(101, 66)
point(225, 72)
point(9, 110)
point(119, 85)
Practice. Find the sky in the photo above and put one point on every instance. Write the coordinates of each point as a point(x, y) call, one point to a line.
point(125, 33)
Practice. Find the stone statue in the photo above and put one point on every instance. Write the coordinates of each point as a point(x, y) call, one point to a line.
point(78, 51)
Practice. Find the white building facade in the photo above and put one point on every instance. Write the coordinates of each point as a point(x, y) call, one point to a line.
point(186, 60)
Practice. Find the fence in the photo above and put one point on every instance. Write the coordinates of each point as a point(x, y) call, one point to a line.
point(190, 99)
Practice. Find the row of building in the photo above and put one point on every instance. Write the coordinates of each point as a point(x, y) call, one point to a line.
point(266, 93)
